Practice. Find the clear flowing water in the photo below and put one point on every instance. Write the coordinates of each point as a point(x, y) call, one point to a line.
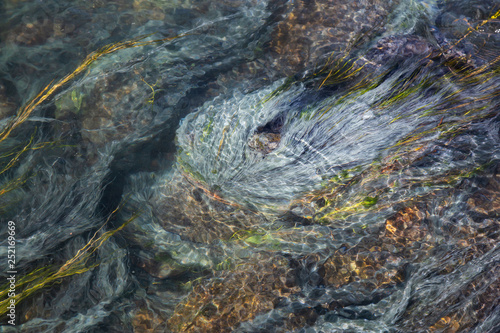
point(250, 166)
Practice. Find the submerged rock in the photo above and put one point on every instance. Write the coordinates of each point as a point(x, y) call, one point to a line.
point(234, 297)
point(313, 31)
point(264, 142)
point(196, 213)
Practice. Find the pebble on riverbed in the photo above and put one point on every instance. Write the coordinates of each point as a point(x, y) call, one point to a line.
point(264, 142)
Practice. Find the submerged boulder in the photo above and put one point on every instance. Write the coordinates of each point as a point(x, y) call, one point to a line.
point(313, 31)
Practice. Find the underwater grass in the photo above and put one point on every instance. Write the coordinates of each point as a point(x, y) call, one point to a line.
point(11, 158)
point(47, 276)
point(456, 109)
point(455, 103)
point(47, 92)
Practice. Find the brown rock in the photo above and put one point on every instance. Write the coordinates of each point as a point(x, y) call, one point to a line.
point(315, 30)
point(233, 297)
point(200, 214)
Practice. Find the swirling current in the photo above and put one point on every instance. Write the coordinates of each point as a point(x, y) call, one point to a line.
point(250, 166)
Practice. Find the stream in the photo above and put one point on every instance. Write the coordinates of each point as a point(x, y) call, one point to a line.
point(250, 166)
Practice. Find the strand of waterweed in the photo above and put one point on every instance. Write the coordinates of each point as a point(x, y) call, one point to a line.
point(47, 276)
point(9, 159)
point(471, 30)
point(17, 153)
point(52, 87)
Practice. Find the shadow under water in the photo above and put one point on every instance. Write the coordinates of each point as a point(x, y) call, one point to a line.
point(250, 166)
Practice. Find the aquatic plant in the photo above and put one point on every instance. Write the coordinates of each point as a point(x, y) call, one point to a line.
point(47, 92)
point(44, 277)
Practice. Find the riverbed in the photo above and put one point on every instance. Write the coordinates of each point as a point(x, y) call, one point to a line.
point(250, 166)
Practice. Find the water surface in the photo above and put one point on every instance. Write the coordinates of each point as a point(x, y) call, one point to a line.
point(251, 166)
